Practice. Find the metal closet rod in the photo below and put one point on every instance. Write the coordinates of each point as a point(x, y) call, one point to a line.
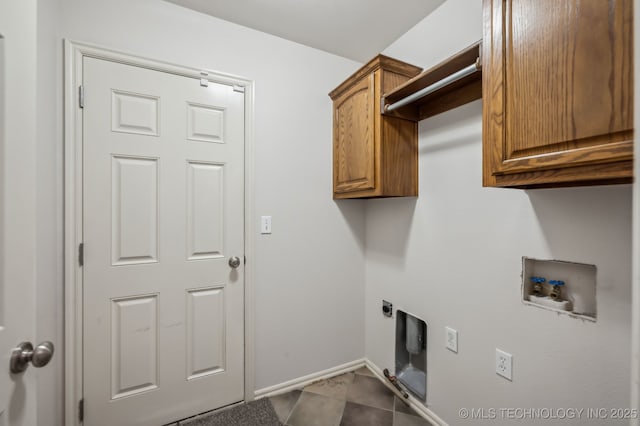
point(435, 86)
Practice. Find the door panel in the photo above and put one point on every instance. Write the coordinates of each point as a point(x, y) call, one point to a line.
point(205, 186)
point(567, 69)
point(134, 345)
point(134, 205)
point(163, 191)
point(134, 113)
point(354, 138)
point(205, 332)
point(557, 108)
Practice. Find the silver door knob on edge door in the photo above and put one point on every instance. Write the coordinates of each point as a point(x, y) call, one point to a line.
point(234, 262)
point(24, 353)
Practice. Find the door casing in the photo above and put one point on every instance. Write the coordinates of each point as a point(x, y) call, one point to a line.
point(73, 233)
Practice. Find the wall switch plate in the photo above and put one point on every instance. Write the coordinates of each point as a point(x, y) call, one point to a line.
point(504, 364)
point(265, 225)
point(452, 339)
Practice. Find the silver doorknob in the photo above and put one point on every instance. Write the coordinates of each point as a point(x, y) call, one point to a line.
point(234, 262)
point(23, 354)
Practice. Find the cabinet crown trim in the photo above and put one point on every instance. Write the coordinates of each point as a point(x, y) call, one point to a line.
point(378, 62)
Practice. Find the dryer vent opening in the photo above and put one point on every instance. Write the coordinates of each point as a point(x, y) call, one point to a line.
point(411, 354)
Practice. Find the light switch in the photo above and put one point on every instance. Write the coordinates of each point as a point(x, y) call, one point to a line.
point(265, 225)
point(452, 339)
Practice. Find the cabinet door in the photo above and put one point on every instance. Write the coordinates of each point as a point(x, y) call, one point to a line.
point(354, 150)
point(558, 91)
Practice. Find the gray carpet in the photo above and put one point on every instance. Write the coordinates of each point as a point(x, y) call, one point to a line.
point(255, 413)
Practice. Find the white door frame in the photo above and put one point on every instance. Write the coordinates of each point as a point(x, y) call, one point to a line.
point(73, 276)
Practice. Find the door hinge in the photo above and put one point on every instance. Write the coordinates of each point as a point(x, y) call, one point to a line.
point(245, 259)
point(81, 254)
point(81, 410)
point(81, 96)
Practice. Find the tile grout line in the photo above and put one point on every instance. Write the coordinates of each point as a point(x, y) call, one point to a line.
point(345, 397)
point(344, 407)
point(393, 418)
point(342, 414)
point(286, 421)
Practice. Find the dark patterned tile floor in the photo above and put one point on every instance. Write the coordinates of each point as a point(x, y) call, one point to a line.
point(357, 398)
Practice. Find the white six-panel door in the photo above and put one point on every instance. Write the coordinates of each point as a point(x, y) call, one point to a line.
point(163, 212)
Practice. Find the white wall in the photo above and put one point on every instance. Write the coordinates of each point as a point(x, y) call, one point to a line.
point(310, 271)
point(453, 257)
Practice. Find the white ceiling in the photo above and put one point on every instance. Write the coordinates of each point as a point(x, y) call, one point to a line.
point(355, 29)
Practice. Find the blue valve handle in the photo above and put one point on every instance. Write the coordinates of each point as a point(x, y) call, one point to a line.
point(538, 279)
point(556, 282)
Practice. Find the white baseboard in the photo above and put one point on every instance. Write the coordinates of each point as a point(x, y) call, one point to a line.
point(418, 406)
point(303, 381)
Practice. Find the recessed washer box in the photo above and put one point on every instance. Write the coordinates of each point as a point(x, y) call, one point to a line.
point(577, 293)
point(411, 353)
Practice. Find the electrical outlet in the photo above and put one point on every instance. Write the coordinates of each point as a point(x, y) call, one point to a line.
point(504, 364)
point(452, 339)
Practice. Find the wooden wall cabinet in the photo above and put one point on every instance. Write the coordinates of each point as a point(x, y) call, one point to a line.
point(373, 155)
point(557, 92)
